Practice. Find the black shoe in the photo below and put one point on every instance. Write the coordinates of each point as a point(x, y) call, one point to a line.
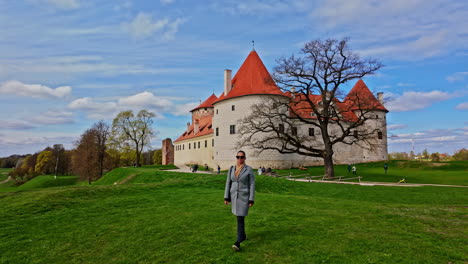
point(236, 246)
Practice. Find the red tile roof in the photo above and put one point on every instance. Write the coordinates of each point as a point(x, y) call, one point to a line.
point(361, 97)
point(251, 78)
point(207, 103)
point(204, 128)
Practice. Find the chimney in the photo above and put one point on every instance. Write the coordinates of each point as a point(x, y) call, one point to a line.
point(380, 97)
point(227, 81)
point(195, 127)
point(188, 126)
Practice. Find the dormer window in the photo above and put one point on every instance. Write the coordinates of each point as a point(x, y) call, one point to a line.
point(233, 107)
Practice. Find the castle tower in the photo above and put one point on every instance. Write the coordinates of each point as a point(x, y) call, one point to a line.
point(251, 85)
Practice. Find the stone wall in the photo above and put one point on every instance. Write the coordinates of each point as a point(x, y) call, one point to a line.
point(167, 152)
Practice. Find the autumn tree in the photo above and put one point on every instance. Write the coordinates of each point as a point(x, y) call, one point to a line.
point(313, 82)
point(102, 132)
point(157, 157)
point(45, 162)
point(85, 156)
point(133, 131)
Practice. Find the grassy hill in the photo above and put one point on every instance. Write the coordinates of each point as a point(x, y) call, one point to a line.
point(166, 217)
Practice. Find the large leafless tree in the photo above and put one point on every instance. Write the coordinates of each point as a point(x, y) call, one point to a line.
point(312, 81)
point(131, 130)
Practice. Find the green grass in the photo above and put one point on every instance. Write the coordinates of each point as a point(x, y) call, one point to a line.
point(450, 173)
point(4, 173)
point(167, 217)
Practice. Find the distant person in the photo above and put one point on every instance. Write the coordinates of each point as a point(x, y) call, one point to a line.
point(206, 167)
point(349, 168)
point(259, 172)
point(240, 191)
point(268, 170)
point(354, 170)
point(195, 168)
point(385, 167)
point(263, 170)
point(219, 169)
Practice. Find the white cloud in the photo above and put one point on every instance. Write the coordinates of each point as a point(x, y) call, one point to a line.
point(184, 109)
point(53, 117)
point(15, 124)
point(166, 2)
point(22, 142)
point(462, 106)
point(458, 76)
point(396, 126)
point(411, 101)
point(105, 108)
point(33, 90)
point(143, 26)
point(253, 7)
point(397, 29)
point(439, 140)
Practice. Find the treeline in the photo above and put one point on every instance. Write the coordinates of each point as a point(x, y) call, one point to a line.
point(461, 154)
point(98, 150)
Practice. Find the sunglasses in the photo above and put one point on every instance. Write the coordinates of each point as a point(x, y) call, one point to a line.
point(240, 157)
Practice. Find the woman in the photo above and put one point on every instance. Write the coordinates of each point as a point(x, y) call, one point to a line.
point(240, 191)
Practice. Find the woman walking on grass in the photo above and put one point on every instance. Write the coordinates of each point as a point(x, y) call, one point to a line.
point(240, 191)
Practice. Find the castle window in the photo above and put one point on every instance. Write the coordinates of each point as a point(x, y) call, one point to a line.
point(380, 135)
point(232, 129)
point(294, 131)
point(198, 144)
point(376, 116)
point(206, 143)
point(311, 132)
point(281, 128)
point(183, 146)
point(217, 131)
point(205, 109)
point(355, 133)
point(189, 145)
point(216, 111)
point(194, 145)
point(212, 142)
point(233, 107)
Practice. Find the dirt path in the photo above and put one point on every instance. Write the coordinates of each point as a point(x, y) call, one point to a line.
point(364, 183)
point(5, 181)
point(188, 169)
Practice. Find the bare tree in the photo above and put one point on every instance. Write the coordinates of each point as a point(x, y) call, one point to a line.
point(128, 129)
point(312, 82)
point(85, 156)
point(102, 134)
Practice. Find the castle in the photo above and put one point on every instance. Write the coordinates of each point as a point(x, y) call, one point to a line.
point(211, 136)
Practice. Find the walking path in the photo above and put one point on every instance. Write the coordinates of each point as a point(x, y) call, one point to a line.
point(9, 178)
point(188, 169)
point(382, 183)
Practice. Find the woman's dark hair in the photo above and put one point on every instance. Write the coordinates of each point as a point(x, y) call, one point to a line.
point(242, 152)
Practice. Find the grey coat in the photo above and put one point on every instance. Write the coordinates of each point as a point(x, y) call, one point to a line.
point(240, 191)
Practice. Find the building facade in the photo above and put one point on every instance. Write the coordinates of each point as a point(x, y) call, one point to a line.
point(212, 136)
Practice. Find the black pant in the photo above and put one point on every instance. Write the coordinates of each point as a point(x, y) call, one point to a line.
point(240, 229)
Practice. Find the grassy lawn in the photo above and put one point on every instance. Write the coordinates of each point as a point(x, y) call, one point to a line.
point(454, 172)
point(169, 217)
point(4, 173)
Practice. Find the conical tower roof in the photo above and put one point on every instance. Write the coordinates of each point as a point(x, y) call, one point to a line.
point(251, 78)
point(207, 103)
point(360, 97)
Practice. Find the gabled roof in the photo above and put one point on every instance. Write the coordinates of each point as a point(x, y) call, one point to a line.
point(251, 78)
point(360, 97)
point(207, 103)
point(303, 109)
point(204, 128)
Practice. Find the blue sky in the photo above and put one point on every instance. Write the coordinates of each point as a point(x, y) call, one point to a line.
point(65, 64)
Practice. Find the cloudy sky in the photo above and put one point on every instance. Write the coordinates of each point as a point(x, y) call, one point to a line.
point(65, 64)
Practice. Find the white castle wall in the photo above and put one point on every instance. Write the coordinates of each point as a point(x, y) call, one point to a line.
point(225, 143)
point(201, 156)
